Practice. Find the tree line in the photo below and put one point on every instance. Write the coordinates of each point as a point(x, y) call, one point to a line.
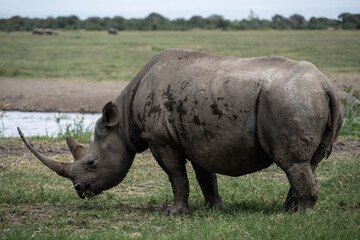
point(156, 21)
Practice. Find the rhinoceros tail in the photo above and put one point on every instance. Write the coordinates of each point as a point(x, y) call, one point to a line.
point(335, 120)
point(332, 129)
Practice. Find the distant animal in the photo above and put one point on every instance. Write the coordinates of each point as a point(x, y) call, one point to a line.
point(51, 31)
point(225, 115)
point(113, 31)
point(40, 31)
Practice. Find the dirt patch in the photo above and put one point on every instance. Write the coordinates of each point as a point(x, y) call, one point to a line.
point(57, 96)
point(346, 148)
point(18, 148)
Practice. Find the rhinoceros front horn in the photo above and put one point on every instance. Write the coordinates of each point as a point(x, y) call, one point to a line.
point(61, 168)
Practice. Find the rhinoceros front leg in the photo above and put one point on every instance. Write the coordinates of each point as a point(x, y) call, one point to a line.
point(173, 162)
point(209, 187)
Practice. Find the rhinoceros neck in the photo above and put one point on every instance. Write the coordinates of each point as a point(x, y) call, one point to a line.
point(127, 127)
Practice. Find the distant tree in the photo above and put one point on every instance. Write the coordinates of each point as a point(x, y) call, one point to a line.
point(17, 23)
point(181, 24)
point(70, 22)
point(315, 23)
point(49, 22)
point(156, 22)
point(323, 23)
point(280, 22)
point(105, 23)
point(118, 22)
point(93, 23)
point(217, 22)
point(350, 21)
point(134, 24)
point(298, 21)
point(198, 22)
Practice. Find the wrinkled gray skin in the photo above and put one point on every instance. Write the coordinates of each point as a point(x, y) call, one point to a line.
point(225, 115)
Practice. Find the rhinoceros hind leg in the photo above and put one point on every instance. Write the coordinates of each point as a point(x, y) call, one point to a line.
point(209, 187)
point(172, 161)
point(303, 192)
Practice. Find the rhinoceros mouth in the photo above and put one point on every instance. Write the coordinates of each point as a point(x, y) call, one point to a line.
point(84, 191)
point(88, 194)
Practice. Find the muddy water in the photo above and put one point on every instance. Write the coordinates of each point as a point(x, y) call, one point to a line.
point(43, 124)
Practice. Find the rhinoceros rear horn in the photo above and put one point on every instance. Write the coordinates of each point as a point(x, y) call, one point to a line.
point(61, 168)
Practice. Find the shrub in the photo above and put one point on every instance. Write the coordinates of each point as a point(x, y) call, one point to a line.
point(76, 130)
point(351, 122)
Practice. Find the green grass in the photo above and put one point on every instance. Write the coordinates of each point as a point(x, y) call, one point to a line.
point(351, 121)
point(36, 203)
point(77, 130)
point(98, 56)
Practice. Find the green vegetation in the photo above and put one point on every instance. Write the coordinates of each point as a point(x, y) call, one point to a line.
point(351, 124)
point(77, 130)
point(2, 115)
point(155, 22)
point(98, 56)
point(36, 203)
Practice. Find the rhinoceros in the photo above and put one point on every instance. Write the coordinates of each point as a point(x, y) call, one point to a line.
point(225, 115)
point(113, 31)
point(38, 31)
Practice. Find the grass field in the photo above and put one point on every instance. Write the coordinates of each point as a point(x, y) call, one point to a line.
point(99, 56)
point(36, 203)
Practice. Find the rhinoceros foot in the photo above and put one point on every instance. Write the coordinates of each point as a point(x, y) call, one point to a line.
point(296, 203)
point(215, 202)
point(177, 209)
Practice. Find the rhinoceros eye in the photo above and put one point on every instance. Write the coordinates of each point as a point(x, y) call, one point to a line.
point(90, 162)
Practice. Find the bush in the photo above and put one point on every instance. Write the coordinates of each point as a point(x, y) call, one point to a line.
point(351, 122)
point(2, 115)
point(76, 130)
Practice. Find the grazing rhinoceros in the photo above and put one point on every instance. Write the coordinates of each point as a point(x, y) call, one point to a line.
point(38, 31)
point(51, 31)
point(113, 31)
point(225, 115)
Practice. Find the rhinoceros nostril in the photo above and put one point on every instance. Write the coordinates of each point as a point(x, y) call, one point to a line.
point(77, 187)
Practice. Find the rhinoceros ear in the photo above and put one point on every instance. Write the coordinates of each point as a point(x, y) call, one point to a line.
point(110, 114)
point(76, 149)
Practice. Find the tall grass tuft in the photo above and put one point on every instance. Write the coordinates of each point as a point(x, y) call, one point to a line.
point(351, 122)
point(76, 130)
point(2, 115)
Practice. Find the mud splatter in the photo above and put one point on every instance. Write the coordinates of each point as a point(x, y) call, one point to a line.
point(216, 110)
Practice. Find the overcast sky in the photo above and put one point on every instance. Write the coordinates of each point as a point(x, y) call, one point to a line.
point(172, 9)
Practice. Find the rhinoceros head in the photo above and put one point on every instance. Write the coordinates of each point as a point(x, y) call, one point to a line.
point(102, 165)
